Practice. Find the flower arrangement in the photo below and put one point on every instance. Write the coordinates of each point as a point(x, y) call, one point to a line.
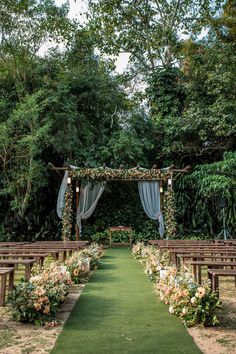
point(67, 214)
point(137, 250)
point(103, 174)
point(178, 289)
point(79, 267)
point(37, 300)
point(153, 260)
point(186, 299)
point(94, 252)
point(169, 213)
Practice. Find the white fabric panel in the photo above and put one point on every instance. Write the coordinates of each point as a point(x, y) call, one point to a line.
point(61, 193)
point(89, 196)
point(150, 197)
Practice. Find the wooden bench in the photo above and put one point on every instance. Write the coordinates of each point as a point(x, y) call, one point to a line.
point(12, 244)
point(38, 256)
point(210, 264)
point(200, 257)
point(28, 263)
point(4, 272)
point(53, 252)
point(214, 274)
point(224, 251)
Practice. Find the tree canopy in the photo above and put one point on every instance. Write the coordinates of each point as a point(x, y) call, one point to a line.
point(175, 104)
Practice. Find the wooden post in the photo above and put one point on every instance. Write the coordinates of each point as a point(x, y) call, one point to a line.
point(77, 205)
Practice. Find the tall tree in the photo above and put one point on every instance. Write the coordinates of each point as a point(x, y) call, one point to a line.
point(149, 30)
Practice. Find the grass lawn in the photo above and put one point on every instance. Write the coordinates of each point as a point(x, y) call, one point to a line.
point(118, 313)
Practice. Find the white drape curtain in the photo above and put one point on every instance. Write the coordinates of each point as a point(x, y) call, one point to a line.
point(61, 196)
point(149, 193)
point(61, 193)
point(89, 196)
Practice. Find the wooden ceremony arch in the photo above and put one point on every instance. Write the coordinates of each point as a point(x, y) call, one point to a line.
point(104, 174)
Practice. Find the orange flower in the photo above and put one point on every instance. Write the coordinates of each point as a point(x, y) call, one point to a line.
point(37, 306)
point(43, 299)
point(46, 309)
point(76, 272)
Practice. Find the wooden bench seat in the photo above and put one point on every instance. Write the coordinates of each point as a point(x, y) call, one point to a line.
point(38, 256)
point(53, 252)
point(4, 272)
point(28, 263)
point(214, 275)
point(210, 264)
point(226, 251)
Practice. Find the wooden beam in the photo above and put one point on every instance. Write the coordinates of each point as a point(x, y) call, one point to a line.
point(64, 168)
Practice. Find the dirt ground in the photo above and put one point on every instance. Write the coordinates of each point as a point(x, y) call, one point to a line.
point(18, 338)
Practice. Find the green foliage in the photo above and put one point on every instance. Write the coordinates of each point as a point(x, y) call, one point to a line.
point(198, 196)
point(101, 237)
point(149, 30)
point(169, 214)
point(166, 93)
point(69, 106)
point(119, 205)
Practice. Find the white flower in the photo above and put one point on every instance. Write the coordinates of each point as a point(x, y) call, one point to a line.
point(184, 311)
point(193, 300)
point(171, 309)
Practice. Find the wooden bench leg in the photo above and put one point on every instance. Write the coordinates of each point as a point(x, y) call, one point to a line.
point(215, 282)
point(199, 275)
point(195, 272)
point(3, 289)
point(210, 278)
point(64, 256)
point(11, 281)
point(41, 260)
point(27, 271)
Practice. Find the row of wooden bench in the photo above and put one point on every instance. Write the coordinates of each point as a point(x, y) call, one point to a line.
point(218, 256)
point(13, 254)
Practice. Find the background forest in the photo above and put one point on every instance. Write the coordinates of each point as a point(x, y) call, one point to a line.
point(174, 104)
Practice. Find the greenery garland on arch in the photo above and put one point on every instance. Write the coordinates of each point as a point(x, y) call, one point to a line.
point(169, 214)
point(67, 218)
point(107, 174)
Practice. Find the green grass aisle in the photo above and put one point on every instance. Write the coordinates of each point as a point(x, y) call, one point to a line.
point(118, 313)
